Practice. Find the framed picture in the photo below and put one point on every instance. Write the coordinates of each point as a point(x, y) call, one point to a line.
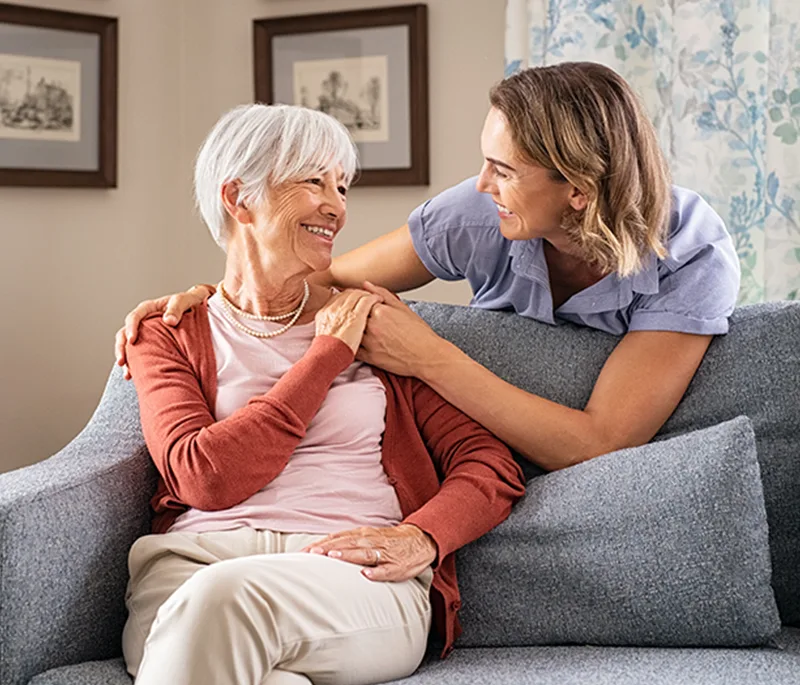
point(58, 98)
point(367, 68)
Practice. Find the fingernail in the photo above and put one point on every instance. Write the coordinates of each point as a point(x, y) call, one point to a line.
point(315, 550)
point(169, 318)
point(368, 573)
point(335, 554)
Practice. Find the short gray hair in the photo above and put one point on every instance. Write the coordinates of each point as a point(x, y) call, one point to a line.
point(264, 146)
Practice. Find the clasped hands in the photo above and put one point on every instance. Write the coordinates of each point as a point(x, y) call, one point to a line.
point(391, 554)
point(396, 339)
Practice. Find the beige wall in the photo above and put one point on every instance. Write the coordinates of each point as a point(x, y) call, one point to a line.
point(77, 260)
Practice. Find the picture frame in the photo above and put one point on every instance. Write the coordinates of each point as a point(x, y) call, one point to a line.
point(368, 68)
point(58, 98)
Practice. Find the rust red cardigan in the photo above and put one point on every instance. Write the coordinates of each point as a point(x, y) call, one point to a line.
point(453, 478)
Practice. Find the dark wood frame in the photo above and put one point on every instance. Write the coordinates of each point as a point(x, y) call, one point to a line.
point(416, 18)
point(106, 28)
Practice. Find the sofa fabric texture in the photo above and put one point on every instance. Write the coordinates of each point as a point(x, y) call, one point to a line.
point(555, 666)
point(660, 545)
point(67, 523)
point(754, 371)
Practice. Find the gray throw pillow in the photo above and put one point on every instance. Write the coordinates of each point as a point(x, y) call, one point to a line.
point(660, 545)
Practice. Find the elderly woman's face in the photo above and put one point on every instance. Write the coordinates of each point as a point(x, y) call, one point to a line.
point(529, 201)
point(303, 217)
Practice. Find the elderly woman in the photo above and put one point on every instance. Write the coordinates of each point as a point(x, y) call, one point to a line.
point(572, 219)
point(308, 506)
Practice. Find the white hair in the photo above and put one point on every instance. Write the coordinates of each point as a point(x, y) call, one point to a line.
point(263, 146)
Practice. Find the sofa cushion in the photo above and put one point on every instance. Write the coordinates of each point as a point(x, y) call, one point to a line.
point(660, 545)
point(610, 666)
point(552, 666)
point(753, 370)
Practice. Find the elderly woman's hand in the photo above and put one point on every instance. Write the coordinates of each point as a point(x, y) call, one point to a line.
point(391, 554)
point(345, 316)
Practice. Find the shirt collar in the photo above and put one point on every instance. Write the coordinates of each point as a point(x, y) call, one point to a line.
point(527, 260)
point(612, 292)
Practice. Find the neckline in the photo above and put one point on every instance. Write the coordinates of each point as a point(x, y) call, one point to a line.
point(215, 303)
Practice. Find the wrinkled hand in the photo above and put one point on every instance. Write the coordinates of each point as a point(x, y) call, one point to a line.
point(173, 307)
point(390, 554)
point(396, 339)
point(345, 316)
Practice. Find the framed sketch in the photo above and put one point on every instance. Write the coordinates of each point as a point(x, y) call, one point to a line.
point(58, 98)
point(367, 68)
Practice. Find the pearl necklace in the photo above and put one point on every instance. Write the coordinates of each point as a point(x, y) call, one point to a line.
point(228, 308)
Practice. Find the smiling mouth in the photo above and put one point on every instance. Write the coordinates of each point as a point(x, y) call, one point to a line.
point(503, 209)
point(320, 230)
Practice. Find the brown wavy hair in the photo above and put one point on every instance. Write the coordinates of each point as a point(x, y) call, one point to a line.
point(584, 122)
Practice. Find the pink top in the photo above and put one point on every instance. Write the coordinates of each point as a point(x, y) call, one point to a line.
point(454, 480)
point(334, 479)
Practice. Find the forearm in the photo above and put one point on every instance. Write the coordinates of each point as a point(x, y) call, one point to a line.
point(546, 433)
point(304, 387)
point(389, 261)
point(213, 464)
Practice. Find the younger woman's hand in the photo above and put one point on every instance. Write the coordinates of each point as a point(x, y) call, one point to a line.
point(173, 307)
point(398, 340)
point(345, 316)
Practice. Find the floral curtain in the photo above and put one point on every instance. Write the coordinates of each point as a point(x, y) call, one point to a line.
point(721, 81)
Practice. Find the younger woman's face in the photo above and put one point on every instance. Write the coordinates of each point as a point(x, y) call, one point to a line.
point(530, 203)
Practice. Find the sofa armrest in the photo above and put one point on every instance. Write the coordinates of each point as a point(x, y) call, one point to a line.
point(66, 525)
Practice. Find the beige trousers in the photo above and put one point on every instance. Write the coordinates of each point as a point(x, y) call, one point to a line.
point(244, 607)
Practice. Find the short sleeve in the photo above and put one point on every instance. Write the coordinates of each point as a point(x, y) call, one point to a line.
point(441, 229)
point(698, 282)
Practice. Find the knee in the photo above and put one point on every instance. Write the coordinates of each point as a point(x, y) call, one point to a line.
point(212, 590)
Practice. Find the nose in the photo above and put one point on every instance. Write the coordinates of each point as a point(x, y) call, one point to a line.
point(335, 204)
point(484, 183)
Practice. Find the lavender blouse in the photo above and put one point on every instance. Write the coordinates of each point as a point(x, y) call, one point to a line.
point(693, 290)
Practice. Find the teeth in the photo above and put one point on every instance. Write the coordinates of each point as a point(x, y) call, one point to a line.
point(504, 209)
point(319, 230)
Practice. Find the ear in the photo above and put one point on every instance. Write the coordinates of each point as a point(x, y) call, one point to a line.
point(577, 199)
point(234, 204)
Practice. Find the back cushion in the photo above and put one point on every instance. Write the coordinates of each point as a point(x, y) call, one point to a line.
point(663, 545)
point(754, 370)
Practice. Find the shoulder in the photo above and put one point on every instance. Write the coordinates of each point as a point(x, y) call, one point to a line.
point(403, 394)
point(695, 227)
point(450, 231)
point(696, 286)
point(155, 335)
point(459, 206)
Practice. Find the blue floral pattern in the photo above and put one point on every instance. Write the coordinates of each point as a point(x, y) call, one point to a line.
point(721, 81)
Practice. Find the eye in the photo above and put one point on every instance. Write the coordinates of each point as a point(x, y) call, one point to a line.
point(314, 181)
point(343, 190)
point(498, 173)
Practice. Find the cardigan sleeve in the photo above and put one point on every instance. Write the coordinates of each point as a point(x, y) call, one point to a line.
point(480, 479)
point(213, 465)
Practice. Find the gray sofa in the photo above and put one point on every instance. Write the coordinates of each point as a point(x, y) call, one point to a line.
point(597, 571)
